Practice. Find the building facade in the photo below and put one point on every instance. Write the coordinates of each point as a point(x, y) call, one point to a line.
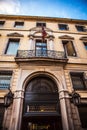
point(43, 72)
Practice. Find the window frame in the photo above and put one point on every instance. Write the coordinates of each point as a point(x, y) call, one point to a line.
point(40, 46)
point(40, 24)
point(63, 27)
point(80, 28)
point(64, 42)
point(2, 115)
point(82, 79)
point(85, 45)
point(83, 124)
point(18, 24)
point(2, 23)
point(5, 73)
point(8, 44)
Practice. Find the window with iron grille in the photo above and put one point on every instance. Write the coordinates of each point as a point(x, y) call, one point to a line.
point(38, 24)
point(63, 27)
point(5, 78)
point(19, 24)
point(12, 46)
point(2, 110)
point(78, 81)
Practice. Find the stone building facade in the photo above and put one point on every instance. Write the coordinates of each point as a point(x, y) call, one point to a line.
point(45, 73)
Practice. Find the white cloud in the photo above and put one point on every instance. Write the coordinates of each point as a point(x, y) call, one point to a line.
point(9, 7)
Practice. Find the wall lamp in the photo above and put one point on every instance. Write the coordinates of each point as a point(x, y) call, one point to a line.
point(75, 98)
point(8, 98)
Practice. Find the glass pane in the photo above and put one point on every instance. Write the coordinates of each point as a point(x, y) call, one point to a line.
point(12, 48)
point(77, 82)
point(85, 44)
point(5, 81)
point(70, 49)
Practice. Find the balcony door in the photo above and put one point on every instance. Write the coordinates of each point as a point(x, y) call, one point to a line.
point(41, 105)
point(41, 48)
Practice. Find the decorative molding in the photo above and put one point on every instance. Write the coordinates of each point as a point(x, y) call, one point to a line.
point(66, 37)
point(15, 35)
point(83, 38)
point(18, 94)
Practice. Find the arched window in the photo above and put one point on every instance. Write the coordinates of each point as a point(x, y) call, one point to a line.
point(41, 95)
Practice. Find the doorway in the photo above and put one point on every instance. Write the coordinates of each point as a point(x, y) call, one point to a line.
point(42, 123)
point(41, 109)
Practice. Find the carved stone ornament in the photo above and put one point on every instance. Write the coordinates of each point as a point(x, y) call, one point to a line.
point(19, 94)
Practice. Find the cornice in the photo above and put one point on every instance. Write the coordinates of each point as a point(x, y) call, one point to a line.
point(42, 18)
point(83, 38)
point(66, 37)
point(15, 35)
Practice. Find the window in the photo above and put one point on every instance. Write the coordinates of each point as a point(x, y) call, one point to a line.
point(80, 28)
point(2, 110)
point(69, 48)
point(63, 26)
point(19, 24)
point(85, 44)
point(78, 81)
point(83, 115)
point(41, 48)
point(5, 78)
point(12, 47)
point(2, 23)
point(38, 24)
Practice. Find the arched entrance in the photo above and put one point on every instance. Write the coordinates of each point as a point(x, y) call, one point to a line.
point(41, 109)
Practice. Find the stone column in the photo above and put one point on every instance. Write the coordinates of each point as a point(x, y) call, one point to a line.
point(66, 113)
point(15, 123)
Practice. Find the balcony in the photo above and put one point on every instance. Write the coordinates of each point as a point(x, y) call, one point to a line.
point(32, 55)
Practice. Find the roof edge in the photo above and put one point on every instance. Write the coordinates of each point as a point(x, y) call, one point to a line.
point(43, 18)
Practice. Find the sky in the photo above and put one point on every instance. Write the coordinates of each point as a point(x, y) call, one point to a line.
point(74, 9)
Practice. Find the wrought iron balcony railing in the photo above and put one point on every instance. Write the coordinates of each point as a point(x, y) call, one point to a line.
point(43, 54)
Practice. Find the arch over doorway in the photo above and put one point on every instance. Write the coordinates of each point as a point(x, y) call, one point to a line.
point(41, 110)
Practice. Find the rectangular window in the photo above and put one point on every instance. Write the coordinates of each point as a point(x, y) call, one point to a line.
point(2, 23)
point(69, 48)
point(2, 110)
point(38, 24)
point(63, 27)
point(12, 47)
point(83, 115)
point(78, 81)
point(85, 44)
point(5, 78)
point(41, 48)
point(19, 24)
point(80, 28)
